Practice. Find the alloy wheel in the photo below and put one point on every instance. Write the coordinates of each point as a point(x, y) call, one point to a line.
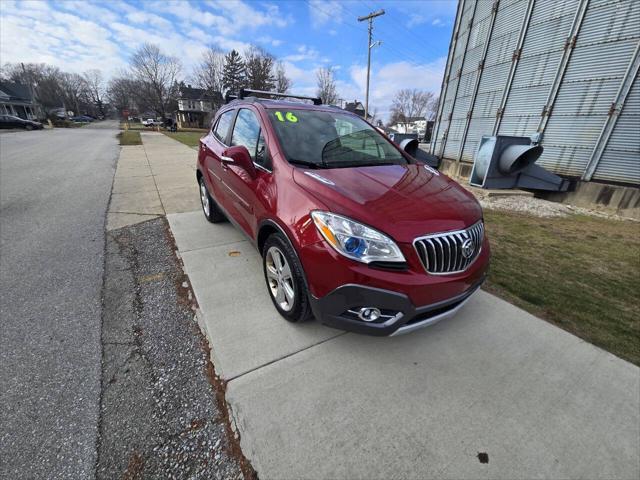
point(204, 198)
point(279, 278)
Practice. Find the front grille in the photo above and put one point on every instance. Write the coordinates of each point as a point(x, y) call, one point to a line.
point(450, 252)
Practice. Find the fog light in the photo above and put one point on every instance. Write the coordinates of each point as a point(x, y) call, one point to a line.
point(369, 314)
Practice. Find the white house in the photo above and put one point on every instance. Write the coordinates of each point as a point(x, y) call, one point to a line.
point(412, 125)
point(195, 107)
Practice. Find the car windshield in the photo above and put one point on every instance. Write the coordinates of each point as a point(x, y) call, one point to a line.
point(321, 139)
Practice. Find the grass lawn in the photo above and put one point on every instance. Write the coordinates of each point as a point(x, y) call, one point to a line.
point(191, 138)
point(130, 137)
point(132, 126)
point(580, 273)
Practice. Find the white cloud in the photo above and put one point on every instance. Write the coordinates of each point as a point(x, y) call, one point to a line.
point(40, 34)
point(322, 12)
point(303, 52)
point(416, 19)
point(151, 19)
point(267, 40)
point(387, 79)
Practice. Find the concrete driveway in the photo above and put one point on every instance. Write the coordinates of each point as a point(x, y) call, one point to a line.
point(312, 402)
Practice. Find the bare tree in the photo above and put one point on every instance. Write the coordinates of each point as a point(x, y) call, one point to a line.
point(157, 74)
point(283, 83)
point(259, 69)
point(74, 92)
point(209, 74)
point(122, 93)
point(373, 116)
point(327, 85)
point(42, 78)
point(408, 104)
point(432, 108)
point(94, 85)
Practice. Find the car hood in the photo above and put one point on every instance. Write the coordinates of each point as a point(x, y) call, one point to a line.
point(403, 201)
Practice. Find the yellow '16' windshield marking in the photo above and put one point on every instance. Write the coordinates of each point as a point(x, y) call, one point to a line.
point(289, 116)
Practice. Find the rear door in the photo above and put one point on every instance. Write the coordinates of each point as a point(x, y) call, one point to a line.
point(214, 145)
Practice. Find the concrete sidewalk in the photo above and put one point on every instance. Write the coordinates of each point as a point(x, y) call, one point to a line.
point(152, 179)
point(313, 402)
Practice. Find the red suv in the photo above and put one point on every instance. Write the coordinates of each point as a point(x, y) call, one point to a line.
point(351, 228)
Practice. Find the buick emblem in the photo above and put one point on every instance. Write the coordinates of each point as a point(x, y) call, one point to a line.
point(467, 248)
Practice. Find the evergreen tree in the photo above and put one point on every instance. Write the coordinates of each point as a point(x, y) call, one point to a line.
point(233, 72)
point(259, 66)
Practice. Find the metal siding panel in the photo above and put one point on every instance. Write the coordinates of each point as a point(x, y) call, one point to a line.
point(620, 161)
point(603, 49)
point(453, 140)
point(541, 52)
point(589, 86)
point(519, 125)
point(610, 21)
point(493, 77)
point(600, 60)
point(586, 98)
point(477, 128)
point(565, 159)
point(574, 130)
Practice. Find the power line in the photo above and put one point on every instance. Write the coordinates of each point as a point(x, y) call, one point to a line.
point(406, 55)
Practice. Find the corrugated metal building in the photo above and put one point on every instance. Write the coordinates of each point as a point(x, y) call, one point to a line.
point(564, 69)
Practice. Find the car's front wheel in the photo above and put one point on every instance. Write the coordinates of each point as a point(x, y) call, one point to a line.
point(285, 279)
point(209, 207)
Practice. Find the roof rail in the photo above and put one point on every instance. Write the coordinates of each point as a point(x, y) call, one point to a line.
point(246, 92)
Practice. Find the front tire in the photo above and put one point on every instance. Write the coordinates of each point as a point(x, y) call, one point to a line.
point(209, 207)
point(285, 279)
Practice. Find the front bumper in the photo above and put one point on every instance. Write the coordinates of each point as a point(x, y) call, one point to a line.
point(333, 309)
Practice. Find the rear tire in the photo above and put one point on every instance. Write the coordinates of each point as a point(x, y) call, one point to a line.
point(29, 127)
point(285, 279)
point(209, 207)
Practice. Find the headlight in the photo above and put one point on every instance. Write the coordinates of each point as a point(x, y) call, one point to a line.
point(355, 240)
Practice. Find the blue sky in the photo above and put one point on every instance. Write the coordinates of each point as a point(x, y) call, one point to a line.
point(305, 34)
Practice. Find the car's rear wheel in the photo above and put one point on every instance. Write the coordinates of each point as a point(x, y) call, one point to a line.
point(285, 279)
point(28, 127)
point(209, 207)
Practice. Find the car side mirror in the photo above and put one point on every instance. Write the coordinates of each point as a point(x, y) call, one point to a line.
point(411, 146)
point(241, 157)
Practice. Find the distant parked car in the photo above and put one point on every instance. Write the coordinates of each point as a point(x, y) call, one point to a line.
point(151, 122)
point(82, 119)
point(9, 121)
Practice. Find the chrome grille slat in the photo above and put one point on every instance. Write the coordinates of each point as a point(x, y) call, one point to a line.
point(442, 253)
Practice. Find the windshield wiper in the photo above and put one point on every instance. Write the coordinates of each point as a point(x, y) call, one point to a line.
point(305, 163)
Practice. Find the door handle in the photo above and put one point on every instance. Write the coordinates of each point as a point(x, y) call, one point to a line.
point(224, 160)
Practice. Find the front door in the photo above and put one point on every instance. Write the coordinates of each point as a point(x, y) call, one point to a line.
point(249, 193)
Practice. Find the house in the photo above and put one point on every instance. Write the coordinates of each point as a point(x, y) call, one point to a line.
point(17, 99)
point(196, 107)
point(412, 125)
point(355, 107)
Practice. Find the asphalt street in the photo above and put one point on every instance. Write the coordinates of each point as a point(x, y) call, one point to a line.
point(54, 192)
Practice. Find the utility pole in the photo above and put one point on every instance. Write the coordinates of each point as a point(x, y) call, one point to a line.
point(370, 45)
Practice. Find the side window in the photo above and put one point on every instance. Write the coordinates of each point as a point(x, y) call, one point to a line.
point(222, 126)
point(262, 153)
point(247, 132)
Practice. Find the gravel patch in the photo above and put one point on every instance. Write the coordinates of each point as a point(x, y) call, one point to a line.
point(159, 415)
point(537, 207)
